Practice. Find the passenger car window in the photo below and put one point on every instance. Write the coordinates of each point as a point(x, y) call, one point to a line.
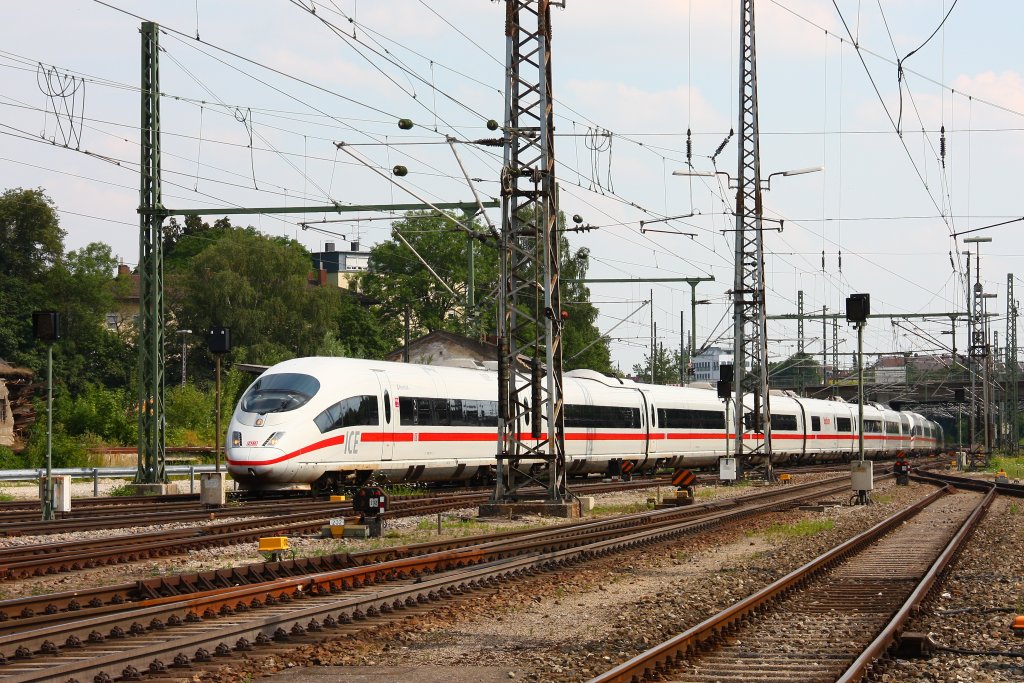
point(351, 412)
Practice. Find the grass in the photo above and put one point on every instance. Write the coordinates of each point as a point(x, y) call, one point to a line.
point(1014, 467)
point(448, 524)
point(5, 497)
point(122, 490)
point(801, 529)
point(405, 490)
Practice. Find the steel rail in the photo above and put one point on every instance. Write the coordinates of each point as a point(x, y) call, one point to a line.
point(34, 610)
point(653, 663)
point(528, 555)
point(889, 635)
point(1016, 490)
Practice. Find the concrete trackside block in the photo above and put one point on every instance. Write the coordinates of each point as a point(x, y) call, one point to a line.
point(568, 510)
point(586, 503)
point(356, 531)
point(150, 489)
point(212, 489)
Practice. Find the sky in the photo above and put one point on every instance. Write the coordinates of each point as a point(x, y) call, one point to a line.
point(251, 113)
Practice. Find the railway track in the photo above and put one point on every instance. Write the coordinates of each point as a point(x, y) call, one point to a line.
point(147, 511)
point(158, 634)
point(18, 562)
point(830, 619)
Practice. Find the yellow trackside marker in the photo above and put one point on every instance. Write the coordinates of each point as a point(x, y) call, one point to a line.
point(273, 544)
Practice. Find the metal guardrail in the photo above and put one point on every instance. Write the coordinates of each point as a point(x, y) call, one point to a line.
point(97, 473)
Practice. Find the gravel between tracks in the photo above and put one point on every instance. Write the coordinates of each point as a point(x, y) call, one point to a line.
point(400, 531)
point(975, 608)
point(571, 625)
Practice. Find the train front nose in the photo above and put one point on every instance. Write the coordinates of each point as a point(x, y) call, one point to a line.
point(256, 465)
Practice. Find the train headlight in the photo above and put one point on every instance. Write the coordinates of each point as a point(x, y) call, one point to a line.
point(273, 439)
point(236, 439)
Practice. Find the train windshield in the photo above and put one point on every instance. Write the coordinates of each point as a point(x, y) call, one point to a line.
point(279, 393)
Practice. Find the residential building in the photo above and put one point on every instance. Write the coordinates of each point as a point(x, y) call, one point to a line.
point(336, 268)
point(707, 364)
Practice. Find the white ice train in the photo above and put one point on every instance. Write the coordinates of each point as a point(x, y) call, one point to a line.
point(336, 421)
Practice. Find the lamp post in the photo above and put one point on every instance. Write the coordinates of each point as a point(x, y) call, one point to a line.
point(184, 353)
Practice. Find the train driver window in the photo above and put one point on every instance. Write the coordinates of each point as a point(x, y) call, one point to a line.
point(387, 407)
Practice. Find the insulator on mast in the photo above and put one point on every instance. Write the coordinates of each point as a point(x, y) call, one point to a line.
point(942, 145)
point(689, 149)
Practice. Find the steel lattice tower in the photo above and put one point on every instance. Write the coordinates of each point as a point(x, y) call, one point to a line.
point(978, 351)
point(152, 428)
point(531, 421)
point(749, 321)
point(1012, 367)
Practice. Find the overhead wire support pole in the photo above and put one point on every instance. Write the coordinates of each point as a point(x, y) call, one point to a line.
point(151, 420)
point(978, 352)
point(1012, 368)
point(750, 350)
point(531, 422)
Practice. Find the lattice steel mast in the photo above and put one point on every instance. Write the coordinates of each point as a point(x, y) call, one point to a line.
point(152, 424)
point(531, 421)
point(749, 322)
point(1012, 367)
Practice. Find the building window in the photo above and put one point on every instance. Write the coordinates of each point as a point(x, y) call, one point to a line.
point(112, 320)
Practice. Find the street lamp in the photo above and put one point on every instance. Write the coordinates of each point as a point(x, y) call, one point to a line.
point(184, 353)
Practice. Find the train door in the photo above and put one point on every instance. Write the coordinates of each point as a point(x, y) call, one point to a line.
point(588, 439)
point(388, 417)
point(805, 428)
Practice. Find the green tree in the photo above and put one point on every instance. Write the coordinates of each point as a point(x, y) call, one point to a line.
point(82, 287)
point(799, 370)
point(30, 233)
point(184, 241)
point(397, 278)
point(32, 241)
point(666, 368)
point(257, 286)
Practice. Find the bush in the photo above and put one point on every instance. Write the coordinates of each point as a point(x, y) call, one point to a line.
point(190, 419)
point(107, 413)
point(67, 450)
point(9, 460)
